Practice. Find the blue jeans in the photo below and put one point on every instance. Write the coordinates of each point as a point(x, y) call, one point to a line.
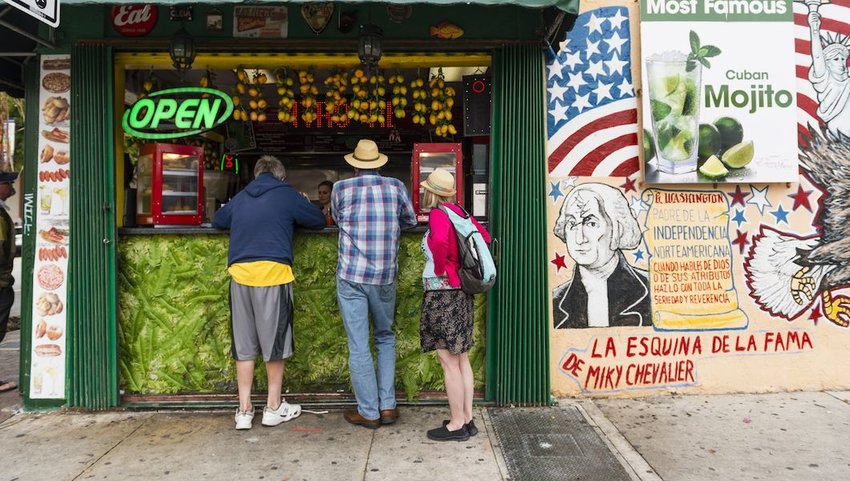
point(356, 301)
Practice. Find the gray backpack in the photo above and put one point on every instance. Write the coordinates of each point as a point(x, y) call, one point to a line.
point(477, 270)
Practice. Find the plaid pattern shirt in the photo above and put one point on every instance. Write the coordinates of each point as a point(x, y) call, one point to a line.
point(370, 212)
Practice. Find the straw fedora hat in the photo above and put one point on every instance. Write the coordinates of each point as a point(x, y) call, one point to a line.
point(366, 155)
point(440, 182)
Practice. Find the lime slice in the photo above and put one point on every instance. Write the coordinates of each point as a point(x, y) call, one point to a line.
point(713, 168)
point(679, 147)
point(659, 110)
point(666, 132)
point(670, 84)
point(648, 146)
point(677, 99)
point(739, 155)
point(689, 106)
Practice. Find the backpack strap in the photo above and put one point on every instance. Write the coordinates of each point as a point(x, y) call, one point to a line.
point(463, 215)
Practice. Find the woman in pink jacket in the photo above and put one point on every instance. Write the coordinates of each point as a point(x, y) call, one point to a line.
point(447, 311)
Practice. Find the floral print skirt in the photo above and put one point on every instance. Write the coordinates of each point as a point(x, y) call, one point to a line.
point(446, 321)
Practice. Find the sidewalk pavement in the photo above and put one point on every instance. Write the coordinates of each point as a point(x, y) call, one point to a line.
point(777, 437)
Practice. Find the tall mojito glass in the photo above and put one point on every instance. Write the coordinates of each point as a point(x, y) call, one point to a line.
point(674, 94)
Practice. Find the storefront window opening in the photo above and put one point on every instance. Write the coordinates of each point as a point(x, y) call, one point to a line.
point(307, 114)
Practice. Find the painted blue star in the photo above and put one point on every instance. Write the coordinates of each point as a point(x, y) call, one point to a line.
point(638, 255)
point(739, 218)
point(780, 214)
point(555, 193)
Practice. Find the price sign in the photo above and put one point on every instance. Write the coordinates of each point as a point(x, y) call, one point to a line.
point(229, 163)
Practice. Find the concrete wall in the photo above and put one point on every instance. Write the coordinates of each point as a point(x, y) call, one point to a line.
point(763, 305)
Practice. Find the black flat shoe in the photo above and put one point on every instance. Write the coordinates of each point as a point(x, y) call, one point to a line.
point(442, 433)
point(470, 426)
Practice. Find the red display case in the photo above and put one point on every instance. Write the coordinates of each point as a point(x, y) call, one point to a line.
point(170, 183)
point(426, 158)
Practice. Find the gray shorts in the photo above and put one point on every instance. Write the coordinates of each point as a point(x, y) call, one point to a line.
point(262, 321)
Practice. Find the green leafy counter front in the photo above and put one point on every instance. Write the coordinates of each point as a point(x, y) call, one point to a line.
point(174, 321)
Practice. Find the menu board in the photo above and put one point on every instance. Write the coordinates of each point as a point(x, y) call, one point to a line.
point(50, 269)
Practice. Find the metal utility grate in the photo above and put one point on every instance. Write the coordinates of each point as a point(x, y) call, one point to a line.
point(543, 444)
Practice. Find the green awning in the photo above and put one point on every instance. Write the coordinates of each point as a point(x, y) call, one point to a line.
point(569, 6)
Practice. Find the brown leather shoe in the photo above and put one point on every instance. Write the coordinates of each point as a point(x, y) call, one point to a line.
point(354, 417)
point(388, 416)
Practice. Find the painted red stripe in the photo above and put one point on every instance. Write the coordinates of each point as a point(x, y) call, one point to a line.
point(826, 24)
point(802, 72)
point(807, 104)
point(803, 137)
point(615, 119)
point(627, 168)
point(589, 162)
point(802, 46)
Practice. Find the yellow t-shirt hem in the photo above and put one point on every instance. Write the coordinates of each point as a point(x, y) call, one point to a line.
point(261, 273)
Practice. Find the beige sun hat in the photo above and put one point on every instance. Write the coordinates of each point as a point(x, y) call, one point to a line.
point(440, 182)
point(366, 155)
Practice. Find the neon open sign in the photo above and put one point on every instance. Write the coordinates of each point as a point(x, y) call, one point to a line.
point(180, 112)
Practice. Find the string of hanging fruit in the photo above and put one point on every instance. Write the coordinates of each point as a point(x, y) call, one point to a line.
point(239, 112)
point(285, 84)
point(368, 104)
point(361, 94)
point(440, 109)
point(148, 84)
point(256, 101)
point(420, 97)
point(309, 90)
point(399, 98)
point(335, 87)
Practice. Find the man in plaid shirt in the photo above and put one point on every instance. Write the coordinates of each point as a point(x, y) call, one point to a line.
point(370, 211)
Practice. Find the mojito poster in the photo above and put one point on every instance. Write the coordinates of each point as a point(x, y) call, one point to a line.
point(719, 91)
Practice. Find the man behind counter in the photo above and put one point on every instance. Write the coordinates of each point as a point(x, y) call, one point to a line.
point(261, 220)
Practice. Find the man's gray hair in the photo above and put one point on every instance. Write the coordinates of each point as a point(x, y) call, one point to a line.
point(271, 164)
point(625, 229)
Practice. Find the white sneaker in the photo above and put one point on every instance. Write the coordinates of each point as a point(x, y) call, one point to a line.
point(284, 412)
point(244, 419)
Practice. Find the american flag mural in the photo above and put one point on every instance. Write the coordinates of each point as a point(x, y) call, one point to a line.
point(592, 110)
point(835, 22)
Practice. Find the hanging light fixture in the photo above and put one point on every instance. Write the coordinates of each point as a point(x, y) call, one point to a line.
point(370, 49)
point(182, 50)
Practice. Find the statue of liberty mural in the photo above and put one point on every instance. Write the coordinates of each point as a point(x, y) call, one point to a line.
point(828, 74)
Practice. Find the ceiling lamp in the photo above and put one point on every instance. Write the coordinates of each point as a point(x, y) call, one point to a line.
point(370, 49)
point(182, 50)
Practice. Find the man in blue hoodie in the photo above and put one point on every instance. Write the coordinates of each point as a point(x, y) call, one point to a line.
point(261, 220)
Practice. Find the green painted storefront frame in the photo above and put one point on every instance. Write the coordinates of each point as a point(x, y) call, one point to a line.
point(517, 343)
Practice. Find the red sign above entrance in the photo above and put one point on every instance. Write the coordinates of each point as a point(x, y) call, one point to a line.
point(134, 20)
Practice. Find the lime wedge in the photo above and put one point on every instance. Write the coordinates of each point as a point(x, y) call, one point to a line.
point(691, 98)
point(679, 147)
point(659, 110)
point(739, 155)
point(648, 146)
point(670, 84)
point(713, 168)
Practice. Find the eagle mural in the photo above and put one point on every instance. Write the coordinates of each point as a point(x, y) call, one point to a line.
point(787, 273)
